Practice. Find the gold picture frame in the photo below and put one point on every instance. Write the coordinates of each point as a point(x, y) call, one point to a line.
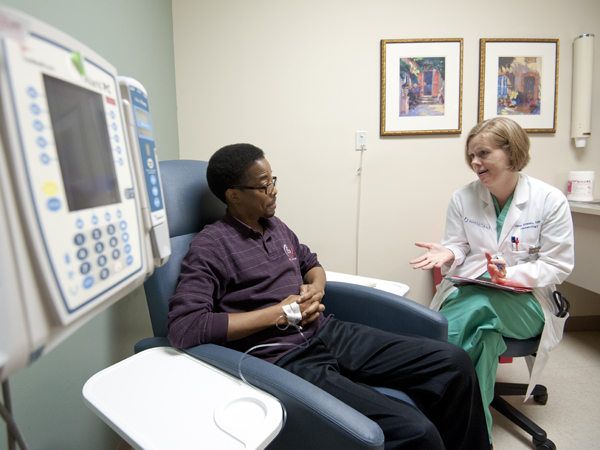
point(518, 78)
point(421, 86)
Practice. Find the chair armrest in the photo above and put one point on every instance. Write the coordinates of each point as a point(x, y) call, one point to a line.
point(151, 342)
point(315, 419)
point(383, 310)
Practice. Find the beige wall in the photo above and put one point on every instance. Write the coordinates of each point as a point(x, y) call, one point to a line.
point(299, 78)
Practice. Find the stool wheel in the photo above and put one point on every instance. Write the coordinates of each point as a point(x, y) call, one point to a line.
point(541, 399)
point(545, 445)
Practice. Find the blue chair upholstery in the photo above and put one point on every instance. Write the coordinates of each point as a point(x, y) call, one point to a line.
point(515, 349)
point(315, 419)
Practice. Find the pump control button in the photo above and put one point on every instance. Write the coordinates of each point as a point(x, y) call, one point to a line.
point(88, 282)
point(54, 204)
point(50, 188)
point(82, 253)
point(85, 268)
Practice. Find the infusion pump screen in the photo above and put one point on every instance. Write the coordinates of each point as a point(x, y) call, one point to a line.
point(82, 143)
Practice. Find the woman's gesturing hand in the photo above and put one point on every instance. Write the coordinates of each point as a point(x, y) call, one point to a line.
point(437, 255)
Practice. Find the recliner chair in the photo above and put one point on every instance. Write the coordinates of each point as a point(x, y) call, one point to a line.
point(315, 419)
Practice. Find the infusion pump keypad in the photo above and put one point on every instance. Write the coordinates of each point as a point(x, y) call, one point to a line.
point(98, 253)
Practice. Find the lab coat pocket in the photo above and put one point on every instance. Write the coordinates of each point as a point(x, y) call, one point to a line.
point(519, 257)
point(525, 253)
point(558, 327)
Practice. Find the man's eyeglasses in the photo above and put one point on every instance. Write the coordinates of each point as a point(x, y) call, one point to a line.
point(268, 188)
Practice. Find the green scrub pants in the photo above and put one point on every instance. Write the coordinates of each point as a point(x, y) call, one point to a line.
point(478, 318)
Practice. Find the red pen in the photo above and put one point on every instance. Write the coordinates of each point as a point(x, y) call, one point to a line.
point(517, 242)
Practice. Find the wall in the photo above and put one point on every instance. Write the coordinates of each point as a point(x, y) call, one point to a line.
point(583, 287)
point(299, 78)
point(136, 36)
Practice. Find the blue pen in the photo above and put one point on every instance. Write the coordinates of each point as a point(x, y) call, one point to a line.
point(513, 240)
point(498, 256)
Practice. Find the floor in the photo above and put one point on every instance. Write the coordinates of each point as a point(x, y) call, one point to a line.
point(571, 418)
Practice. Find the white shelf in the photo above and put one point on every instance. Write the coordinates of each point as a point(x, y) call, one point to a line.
point(585, 207)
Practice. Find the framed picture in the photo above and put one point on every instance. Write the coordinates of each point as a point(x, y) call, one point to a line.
point(519, 78)
point(421, 86)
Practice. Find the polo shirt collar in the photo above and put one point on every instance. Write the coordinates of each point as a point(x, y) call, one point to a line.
point(244, 229)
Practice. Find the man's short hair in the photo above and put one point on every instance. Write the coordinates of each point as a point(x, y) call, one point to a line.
point(229, 166)
point(506, 134)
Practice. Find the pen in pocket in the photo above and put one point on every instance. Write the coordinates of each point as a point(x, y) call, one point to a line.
point(514, 243)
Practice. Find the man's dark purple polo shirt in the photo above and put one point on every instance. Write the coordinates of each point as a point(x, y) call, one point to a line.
point(231, 268)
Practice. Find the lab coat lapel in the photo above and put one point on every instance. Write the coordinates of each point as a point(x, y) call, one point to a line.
point(488, 207)
point(516, 208)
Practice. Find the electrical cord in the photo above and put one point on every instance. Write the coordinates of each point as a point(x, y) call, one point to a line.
point(11, 426)
point(8, 405)
point(304, 344)
point(359, 174)
point(274, 344)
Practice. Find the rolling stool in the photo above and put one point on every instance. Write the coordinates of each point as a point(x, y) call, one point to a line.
point(519, 348)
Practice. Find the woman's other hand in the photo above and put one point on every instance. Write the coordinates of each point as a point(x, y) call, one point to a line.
point(437, 255)
point(496, 269)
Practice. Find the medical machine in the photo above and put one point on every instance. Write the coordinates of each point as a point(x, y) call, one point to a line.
point(82, 224)
point(141, 136)
point(82, 220)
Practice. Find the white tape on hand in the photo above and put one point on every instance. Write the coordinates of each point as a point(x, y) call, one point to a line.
point(293, 314)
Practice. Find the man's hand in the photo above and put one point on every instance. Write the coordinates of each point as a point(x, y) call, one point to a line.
point(245, 324)
point(436, 256)
point(310, 303)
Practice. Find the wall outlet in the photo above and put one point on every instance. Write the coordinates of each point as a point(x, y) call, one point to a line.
point(360, 139)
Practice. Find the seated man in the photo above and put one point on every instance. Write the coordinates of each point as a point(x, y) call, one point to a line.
point(241, 271)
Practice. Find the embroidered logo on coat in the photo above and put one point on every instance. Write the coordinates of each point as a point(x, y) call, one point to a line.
point(290, 252)
point(479, 224)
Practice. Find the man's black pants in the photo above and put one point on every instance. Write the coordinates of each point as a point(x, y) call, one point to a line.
point(346, 359)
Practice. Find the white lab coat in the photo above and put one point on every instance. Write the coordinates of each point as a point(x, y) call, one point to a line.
point(540, 217)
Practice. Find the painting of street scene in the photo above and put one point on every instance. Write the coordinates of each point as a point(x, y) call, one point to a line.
point(422, 86)
point(519, 85)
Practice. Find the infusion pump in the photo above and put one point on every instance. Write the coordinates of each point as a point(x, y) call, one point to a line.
point(82, 219)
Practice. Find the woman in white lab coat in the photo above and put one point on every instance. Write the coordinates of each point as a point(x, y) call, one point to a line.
point(511, 229)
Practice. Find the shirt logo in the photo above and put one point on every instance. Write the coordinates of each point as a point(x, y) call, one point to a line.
point(289, 251)
point(475, 222)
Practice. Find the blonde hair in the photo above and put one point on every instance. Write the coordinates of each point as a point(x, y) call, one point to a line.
point(506, 134)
